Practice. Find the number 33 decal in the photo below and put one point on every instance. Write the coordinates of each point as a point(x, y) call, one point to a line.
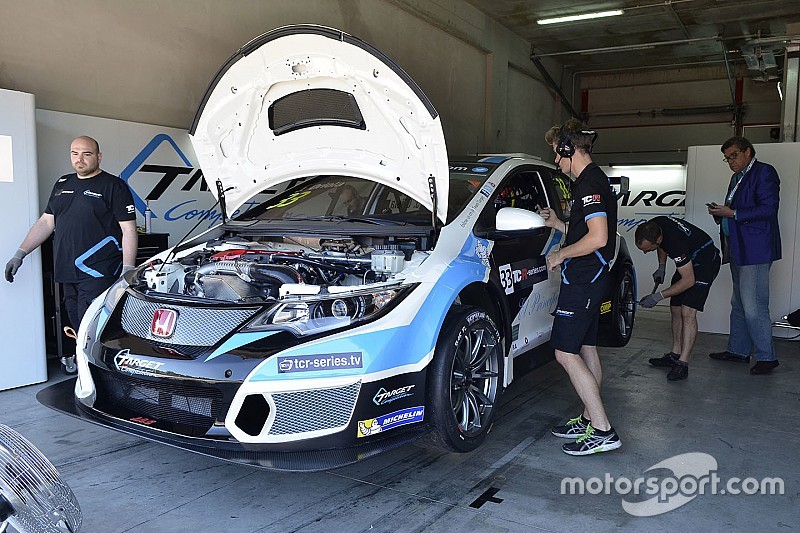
point(506, 278)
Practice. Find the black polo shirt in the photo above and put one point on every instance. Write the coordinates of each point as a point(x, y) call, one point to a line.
point(592, 197)
point(88, 239)
point(684, 242)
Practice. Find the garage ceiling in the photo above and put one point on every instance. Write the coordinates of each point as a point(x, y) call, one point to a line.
point(654, 35)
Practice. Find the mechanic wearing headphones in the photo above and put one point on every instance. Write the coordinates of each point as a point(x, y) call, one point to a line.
point(697, 263)
point(584, 281)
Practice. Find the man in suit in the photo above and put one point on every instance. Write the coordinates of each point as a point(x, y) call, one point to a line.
point(751, 241)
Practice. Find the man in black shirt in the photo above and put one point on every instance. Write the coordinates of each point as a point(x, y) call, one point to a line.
point(697, 263)
point(589, 247)
point(93, 217)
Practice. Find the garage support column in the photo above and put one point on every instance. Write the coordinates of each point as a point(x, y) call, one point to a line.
point(791, 94)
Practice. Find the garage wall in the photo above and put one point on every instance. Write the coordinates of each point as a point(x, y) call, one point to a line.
point(150, 61)
point(653, 117)
point(528, 115)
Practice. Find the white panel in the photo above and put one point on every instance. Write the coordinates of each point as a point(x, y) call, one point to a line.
point(6, 159)
point(22, 358)
point(656, 190)
point(706, 181)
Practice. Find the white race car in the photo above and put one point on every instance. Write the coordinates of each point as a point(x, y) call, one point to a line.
point(385, 294)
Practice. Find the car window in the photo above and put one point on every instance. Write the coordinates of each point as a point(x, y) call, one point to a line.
point(564, 192)
point(524, 190)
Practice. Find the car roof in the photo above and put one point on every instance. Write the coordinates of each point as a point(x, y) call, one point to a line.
point(498, 159)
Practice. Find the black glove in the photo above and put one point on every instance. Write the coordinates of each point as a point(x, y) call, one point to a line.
point(660, 274)
point(13, 264)
point(651, 300)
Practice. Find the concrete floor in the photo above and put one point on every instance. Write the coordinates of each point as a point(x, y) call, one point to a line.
point(748, 424)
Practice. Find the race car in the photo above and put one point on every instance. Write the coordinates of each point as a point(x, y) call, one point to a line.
point(384, 295)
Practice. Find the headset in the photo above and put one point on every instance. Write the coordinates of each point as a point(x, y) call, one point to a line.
point(565, 146)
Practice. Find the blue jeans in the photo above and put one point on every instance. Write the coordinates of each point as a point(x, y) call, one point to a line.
point(751, 326)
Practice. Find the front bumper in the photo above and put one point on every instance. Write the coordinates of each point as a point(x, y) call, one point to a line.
point(60, 397)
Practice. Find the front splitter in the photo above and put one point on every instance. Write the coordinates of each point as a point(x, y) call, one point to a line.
point(61, 397)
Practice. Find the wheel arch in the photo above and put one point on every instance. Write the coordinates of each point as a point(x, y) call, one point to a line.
point(488, 297)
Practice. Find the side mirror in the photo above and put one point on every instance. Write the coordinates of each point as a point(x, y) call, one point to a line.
point(516, 219)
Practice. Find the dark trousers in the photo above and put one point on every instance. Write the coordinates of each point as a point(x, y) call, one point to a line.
point(78, 296)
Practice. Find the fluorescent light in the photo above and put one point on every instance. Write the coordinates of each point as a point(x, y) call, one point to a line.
point(585, 16)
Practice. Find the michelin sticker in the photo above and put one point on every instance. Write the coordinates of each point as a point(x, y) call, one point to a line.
point(390, 421)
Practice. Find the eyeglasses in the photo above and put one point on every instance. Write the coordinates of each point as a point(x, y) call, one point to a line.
point(733, 155)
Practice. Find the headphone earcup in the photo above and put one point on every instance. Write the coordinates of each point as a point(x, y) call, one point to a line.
point(565, 148)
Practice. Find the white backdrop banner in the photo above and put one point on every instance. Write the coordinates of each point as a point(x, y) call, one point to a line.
point(655, 190)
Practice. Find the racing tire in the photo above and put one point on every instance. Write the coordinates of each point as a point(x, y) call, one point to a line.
point(465, 380)
point(623, 307)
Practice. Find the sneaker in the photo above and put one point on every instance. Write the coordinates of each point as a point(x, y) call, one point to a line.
point(69, 365)
point(593, 441)
point(667, 361)
point(574, 428)
point(678, 372)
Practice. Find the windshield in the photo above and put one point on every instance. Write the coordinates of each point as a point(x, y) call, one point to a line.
point(345, 197)
point(341, 197)
point(465, 180)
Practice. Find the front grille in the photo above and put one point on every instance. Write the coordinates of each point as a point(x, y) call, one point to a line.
point(313, 410)
point(195, 326)
point(169, 401)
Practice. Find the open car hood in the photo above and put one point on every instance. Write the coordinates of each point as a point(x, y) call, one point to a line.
point(307, 100)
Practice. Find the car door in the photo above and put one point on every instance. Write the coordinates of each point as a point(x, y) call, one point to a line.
point(519, 259)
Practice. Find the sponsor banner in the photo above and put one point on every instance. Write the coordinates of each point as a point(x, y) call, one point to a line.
point(390, 421)
point(311, 363)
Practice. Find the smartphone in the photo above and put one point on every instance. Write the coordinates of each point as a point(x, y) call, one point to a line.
point(712, 204)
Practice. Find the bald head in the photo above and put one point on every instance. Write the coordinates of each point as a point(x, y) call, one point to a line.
point(85, 156)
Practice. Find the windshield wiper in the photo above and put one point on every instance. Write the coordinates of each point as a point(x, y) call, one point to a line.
point(340, 218)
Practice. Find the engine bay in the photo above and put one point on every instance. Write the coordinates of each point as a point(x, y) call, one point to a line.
point(259, 270)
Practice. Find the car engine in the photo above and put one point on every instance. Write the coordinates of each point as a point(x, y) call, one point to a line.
point(238, 270)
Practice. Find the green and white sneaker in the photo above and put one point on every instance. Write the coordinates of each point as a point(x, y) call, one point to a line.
point(574, 428)
point(593, 441)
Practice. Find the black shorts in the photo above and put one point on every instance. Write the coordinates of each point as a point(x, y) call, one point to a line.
point(577, 315)
point(695, 296)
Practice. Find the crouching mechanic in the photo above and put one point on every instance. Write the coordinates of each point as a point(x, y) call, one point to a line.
point(584, 281)
point(93, 217)
point(697, 263)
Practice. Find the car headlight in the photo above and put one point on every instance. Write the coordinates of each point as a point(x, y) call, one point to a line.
point(306, 315)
